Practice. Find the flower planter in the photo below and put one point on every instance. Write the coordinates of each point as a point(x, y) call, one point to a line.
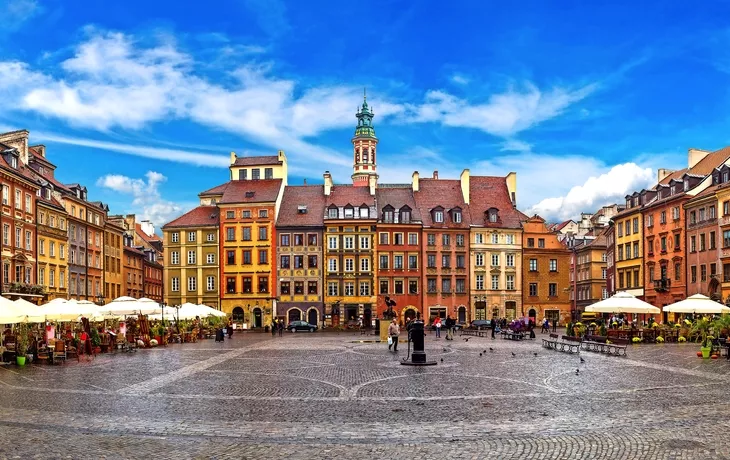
point(20, 360)
point(706, 352)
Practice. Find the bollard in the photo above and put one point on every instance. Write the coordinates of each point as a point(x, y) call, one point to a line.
point(418, 355)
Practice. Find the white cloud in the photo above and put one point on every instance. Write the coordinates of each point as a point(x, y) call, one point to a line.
point(598, 190)
point(459, 79)
point(147, 201)
point(503, 114)
point(15, 13)
point(514, 145)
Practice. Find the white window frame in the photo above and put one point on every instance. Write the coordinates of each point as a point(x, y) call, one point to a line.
point(175, 284)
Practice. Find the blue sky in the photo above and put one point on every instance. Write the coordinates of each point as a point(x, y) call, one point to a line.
point(143, 101)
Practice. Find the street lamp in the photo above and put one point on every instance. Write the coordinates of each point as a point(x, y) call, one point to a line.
point(162, 306)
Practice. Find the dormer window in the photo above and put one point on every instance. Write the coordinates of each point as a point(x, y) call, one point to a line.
point(456, 217)
point(672, 189)
point(332, 213)
point(47, 192)
point(686, 185)
point(13, 162)
point(628, 202)
point(364, 212)
point(636, 201)
point(438, 216)
point(724, 176)
point(349, 212)
point(388, 213)
point(405, 216)
point(492, 215)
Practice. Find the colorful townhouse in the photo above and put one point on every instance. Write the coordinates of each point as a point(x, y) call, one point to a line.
point(495, 252)
point(628, 248)
point(113, 267)
point(398, 252)
point(545, 273)
point(299, 255)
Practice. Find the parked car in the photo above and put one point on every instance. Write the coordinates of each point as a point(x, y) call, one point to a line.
point(301, 326)
point(480, 324)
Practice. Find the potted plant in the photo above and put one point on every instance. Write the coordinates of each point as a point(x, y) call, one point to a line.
point(95, 340)
point(701, 329)
point(21, 343)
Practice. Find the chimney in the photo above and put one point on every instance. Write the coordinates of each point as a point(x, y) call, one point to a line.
point(281, 155)
point(511, 180)
point(464, 179)
point(233, 157)
point(662, 174)
point(41, 149)
point(435, 174)
point(17, 140)
point(414, 181)
point(372, 181)
point(327, 183)
point(695, 156)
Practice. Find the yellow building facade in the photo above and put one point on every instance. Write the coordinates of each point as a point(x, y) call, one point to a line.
point(192, 268)
point(629, 248)
point(52, 248)
point(113, 268)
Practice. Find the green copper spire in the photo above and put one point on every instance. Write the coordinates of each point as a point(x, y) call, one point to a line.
point(364, 119)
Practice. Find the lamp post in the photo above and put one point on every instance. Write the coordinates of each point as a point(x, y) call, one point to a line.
point(162, 306)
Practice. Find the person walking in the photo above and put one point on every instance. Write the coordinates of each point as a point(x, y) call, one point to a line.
point(229, 329)
point(393, 332)
point(494, 326)
point(545, 326)
point(437, 323)
point(274, 327)
point(281, 327)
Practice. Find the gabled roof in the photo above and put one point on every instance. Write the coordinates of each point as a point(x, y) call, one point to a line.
point(397, 197)
point(202, 216)
point(256, 161)
point(441, 192)
point(22, 170)
point(490, 192)
point(302, 206)
point(342, 195)
point(562, 225)
point(217, 190)
point(252, 191)
point(144, 236)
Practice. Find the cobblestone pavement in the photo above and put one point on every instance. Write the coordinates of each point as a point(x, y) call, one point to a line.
point(336, 396)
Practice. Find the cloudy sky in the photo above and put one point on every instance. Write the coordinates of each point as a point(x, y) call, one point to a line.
point(143, 101)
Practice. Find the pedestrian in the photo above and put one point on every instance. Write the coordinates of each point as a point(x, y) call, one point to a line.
point(393, 332)
point(437, 323)
point(281, 327)
point(229, 329)
point(273, 328)
point(494, 326)
point(545, 326)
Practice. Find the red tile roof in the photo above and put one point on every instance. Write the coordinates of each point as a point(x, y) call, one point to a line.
point(397, 197)
point(144, 236)
point(342, 195)
point(134, 251)
point(252, 191)
point(201, 216)
point(217, 190)
point(487, 192)
point(255, 161)
point(562, 225)
point(311, 196)
point(22, 170)
point(446, 193)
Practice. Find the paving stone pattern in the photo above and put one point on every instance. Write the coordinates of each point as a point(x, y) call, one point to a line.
point(330, 396)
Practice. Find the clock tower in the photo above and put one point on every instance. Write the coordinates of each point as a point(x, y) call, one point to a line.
point(364, 146)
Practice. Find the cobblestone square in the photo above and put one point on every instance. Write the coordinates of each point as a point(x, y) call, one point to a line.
point(328, 395)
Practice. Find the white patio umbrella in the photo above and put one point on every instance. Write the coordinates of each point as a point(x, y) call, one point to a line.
point(9, 312)
point(623, 302)
point(32, 312)
point(207, 311)
point(67, 310)
point(698, 304)
point(124, 305)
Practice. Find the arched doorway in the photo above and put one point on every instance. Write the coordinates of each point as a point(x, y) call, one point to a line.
point(367, 318)
point(510, 309)
point(313, 316)
point(294, 314)
point(495, 312)
point(257, 317)
point(238, 315)
point(462, 315)
point(409, 313)
point(335, 315)
point(532, 314)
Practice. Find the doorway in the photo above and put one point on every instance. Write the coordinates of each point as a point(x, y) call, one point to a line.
point(510, 309)
point(257, 317)
point(238, 315)
point(532, 314)
point(313, 317)
point(433, 312)
point(409, 314)
point(462, 315)
point(367, 318)
point(294, 314)
point(351, 313)
point(480, 310)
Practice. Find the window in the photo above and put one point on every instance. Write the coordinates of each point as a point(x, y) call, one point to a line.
point(664, 244)
point(210, 258)
point(247, 285)
point(726, 239)
point(333, 288)
point(42, 246)
point(6, 194)
point(192, 283)
point(495, 238)
point(479, 259)
point(510, 282)
point(365, 242)
point(495, 282)
point(531, 242)
point(52, 278)
point(285, 288)
point(510, 239)
point(677, 271)
point(460, 285)
point(312, 261)
point(431, 260)
point(541, 242)
point(191, 257)
point(255, 173)
point(702, 241)
point(693, 273)
point(649, 220)
point(553, 290)
point(383, 238)
point(18, 198)
point(364, 265)
point(628, 251)
point(446, 240)
point(268, 173)
point(636, 224)
point(384, 286)
point(246, 257)
point(480, 282)
point(17, 237)
point(364, 288)
point(264, 256)
point(398, 262)
point(431, 285)
point(332, 265)
point(533, 289)
point(349, 242)
point(397, 239)
point(52, 248)
point(332, 213)
point(28, 244)
point(478, 238)
point(663, 217)
point(263, 233)
point(230, 257)
point(191, 236)
point(457, 217)
point(413, 286)
point(446, 285)
point(438, 216)
point(445, 260)
point(312, 239)
point(349, 265)
point(692, 243)
point(383, 262)
point(263, 213)
point(398, 287)
point(495, 260)
point(711, 211)
point(332, 242)
point(312, 287)
point(431, 239)
point(405, 217)
point(6, 234)
point(412, 262)
point(246, 214)
point(413, 239)
point(42, 276)
point(210, 283)
point(510, 260)
point(284, 239)
point(230, 234)
point(175, 284)
point(712, 240)
point(533, 265)
point(603, 273)
point(284, 262)
point(175, 258)
point(460, 261)
point(264, 284)
point(460, 240)
point(230, 214)
point(349, 288)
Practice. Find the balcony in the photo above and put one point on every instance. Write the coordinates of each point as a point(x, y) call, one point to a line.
point(725, 252)
point(724, 220)
point(662, 285)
